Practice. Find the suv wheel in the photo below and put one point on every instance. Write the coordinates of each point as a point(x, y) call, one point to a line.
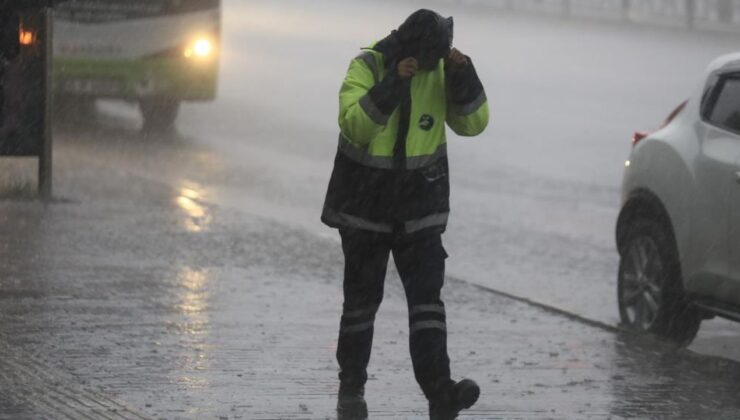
point(650, 290)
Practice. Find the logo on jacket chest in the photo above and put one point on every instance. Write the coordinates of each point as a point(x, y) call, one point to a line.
point(426, 122)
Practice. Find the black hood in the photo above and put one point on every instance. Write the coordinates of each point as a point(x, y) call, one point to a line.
point(425, 35)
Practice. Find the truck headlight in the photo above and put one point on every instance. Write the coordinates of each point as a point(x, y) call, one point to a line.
point(202, 48)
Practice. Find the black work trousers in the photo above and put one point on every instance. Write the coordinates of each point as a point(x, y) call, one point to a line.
point(420, 262)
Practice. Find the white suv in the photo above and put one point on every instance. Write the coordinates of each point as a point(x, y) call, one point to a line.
point(678, 232)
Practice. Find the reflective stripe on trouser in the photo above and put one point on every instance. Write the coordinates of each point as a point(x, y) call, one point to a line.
point(364, 272)
point(420, 262)
point(358, 321)
point(425, 317)
point(467, 109)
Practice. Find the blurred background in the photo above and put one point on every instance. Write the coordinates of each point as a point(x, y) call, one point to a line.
point(240, 111)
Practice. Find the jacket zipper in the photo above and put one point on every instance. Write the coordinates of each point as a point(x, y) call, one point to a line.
point(399, 149)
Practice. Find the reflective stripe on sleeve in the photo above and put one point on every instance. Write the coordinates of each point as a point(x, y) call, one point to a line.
point(467, 109)
point(372, 111)
point(369, 59)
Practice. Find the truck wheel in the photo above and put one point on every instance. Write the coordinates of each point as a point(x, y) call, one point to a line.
point(159, 113)
point(650, 288)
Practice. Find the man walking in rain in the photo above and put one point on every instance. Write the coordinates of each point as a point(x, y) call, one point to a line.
point(389, 192)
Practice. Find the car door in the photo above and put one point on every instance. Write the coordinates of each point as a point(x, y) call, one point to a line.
point(720, 171)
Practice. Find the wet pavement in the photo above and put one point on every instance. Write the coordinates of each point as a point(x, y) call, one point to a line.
point(133, 297)
point(539, 189)
point(187, 276)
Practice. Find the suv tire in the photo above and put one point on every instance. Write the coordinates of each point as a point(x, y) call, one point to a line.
point(650, 289)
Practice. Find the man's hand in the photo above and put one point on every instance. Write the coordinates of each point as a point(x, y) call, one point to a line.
point(456, 60)
point(407, 68)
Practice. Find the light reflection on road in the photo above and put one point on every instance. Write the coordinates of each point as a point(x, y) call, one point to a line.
point(197, 218)
point(193, 298)
point(193, 307)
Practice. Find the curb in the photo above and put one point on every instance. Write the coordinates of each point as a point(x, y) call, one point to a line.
point(545, 307)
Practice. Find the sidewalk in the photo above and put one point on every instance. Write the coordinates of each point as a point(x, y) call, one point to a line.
point(143, 295)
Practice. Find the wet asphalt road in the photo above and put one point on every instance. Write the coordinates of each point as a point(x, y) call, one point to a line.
point(187, 276)
point(133, 298)
point(534, 199)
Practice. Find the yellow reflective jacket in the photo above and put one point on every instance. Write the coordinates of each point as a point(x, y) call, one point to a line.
point(391, 172)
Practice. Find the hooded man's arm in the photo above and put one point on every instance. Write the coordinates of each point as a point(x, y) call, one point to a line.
point(467, 107)
point(364, 106)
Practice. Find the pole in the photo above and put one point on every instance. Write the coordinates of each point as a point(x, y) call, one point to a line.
point(726, 11)
point(626, 9)
point(45, 158)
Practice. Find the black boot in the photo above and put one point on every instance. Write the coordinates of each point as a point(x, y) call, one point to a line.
point(452, 399)
point(351, 403)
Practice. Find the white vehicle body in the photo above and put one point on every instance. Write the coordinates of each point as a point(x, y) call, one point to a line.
point(158, 53)
point(687, 175)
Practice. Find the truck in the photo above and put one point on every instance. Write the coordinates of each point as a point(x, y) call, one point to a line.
point(152, 53)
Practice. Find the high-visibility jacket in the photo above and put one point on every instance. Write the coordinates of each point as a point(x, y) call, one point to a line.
point(391, 172)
